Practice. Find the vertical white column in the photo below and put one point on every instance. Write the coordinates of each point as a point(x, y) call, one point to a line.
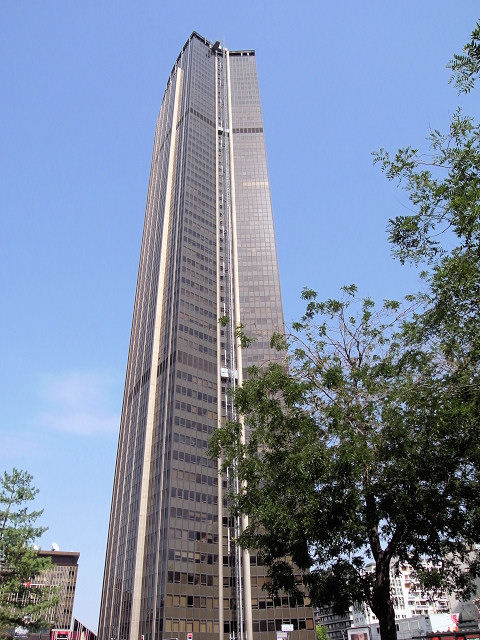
point(135, 630)
point(221, 618)
point(247, 587)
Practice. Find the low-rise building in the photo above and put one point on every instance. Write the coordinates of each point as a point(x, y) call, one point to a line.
point(62, 576)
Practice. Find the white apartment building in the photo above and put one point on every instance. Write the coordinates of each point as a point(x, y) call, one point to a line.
point(409, 600)
point(416, 611)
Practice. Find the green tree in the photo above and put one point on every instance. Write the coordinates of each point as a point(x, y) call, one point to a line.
point(321, 632)
point(442, 234)
point(466, 66)
point(355, 461)
point(22, 602)
point(443, 231)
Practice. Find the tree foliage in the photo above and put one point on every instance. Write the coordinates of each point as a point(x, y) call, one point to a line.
point(321, 632)
point(466, 66)
point(443, 231)
point(357, 453)
point(365, 447)
point(22, 602)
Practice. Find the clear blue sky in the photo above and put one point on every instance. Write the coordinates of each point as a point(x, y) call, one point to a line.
point(81, 86)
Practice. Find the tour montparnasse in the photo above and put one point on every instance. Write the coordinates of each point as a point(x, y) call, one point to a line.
point(172, 568)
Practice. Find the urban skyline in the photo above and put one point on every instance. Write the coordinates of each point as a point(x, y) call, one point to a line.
point(208, 265)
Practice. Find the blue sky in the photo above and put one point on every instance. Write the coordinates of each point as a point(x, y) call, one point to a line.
point(82, 84)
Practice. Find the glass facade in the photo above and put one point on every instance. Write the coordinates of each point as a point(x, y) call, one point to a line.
point(208, 251)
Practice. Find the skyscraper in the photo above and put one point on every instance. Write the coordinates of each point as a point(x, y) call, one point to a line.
point(208, 253)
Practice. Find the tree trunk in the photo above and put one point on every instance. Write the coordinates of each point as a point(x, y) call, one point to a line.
point(382, 605)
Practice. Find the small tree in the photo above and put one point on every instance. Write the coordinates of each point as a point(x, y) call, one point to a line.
point(321, 632)
point(22, 602)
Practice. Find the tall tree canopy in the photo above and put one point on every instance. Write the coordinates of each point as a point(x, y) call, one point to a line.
point(359, 451)
point(364, 446)
point(443, 231)
point(22, 602)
